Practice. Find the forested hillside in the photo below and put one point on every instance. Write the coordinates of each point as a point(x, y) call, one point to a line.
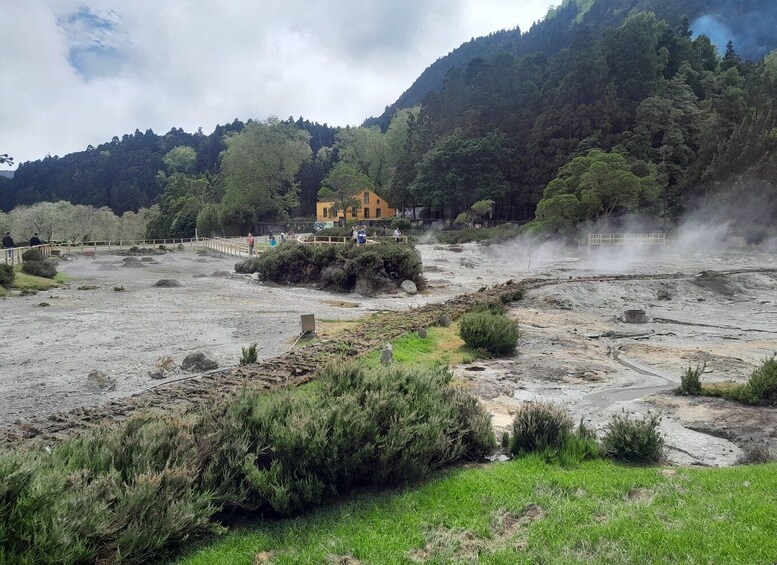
point(750, 23)
point(122, 174)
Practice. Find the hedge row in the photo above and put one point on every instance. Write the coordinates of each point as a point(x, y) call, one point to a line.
point(135, 493)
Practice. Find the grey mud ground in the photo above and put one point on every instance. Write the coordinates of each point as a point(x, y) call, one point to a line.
point(574, 349)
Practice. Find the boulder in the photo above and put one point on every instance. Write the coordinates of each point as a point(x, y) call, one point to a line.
point(199, 361)
point(167, 283)
point(409, 287)
point(422, 333)
point(221, 274)
point(100, 382)
point(444, 320)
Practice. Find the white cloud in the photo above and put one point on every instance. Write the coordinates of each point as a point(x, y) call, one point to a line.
point(192, 63)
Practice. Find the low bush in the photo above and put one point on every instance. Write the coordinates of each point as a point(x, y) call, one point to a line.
point(496, 308)
point(337, 267)
point(496, 234)
point(134, 493)
point(690, 382)
point(283, 453)
point(248, 355)
point(635, 440)
point(760, 389)
point(496, 334)
point(32, 255)
point(762, 386)
point(7, 275)
point(538, 426)
point(46, 269)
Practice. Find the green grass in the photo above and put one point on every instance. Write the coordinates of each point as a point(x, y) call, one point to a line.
point(442, 346)
point(526, 511)
point(31, 282)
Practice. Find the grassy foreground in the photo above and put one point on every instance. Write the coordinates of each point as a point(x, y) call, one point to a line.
point(527, 511)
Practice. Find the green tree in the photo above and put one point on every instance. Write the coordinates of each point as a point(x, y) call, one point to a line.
point(460, 170)
point(367, 150)
point(593, 187)
point(259, 168)
point(180, 159)
point(342, 186)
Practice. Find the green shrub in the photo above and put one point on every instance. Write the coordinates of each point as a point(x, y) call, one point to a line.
point(539, 426)
point(496, 308)
point(7, 275)
point(690, 382)
point(403, 224)
point(248, 355)
point(135, 492)
point(46, 269)
point(337, 267)
point(32, 255)
point(282, 453)
point(496, 334)
point(636, 440)
point(762, 386)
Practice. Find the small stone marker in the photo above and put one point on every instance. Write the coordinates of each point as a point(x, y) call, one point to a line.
point(444, 320)
point(422, 333)
point(635, 317)
point(387, 355)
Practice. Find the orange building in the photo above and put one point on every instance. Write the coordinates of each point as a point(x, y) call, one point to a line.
point(373, 207)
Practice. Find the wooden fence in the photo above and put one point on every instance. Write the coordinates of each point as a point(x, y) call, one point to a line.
point(626, 239)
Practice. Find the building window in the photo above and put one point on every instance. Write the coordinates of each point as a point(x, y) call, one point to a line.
point(378, 201)
point(326, 211)
point(366, 213)
point(378, 212)
point(366, 197)
point(353, 213)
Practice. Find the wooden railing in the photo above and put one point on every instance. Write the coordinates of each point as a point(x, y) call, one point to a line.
point(13, 256)
point(626, 239)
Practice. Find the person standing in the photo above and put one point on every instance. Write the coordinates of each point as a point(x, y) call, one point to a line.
point(34, 240)
point(250, 244)
point(9, 244)
point(355, 235)
point(397, 234)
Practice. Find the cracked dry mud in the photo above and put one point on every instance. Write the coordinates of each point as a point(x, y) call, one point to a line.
point(574, 349)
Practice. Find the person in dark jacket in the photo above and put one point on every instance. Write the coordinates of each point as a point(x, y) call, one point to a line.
point(8, 244)
point(34, 240)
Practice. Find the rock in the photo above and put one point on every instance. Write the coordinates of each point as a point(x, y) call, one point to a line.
point(422, 333)
point(663, 294)
point(635, 317)
point(444, 320)
point(199, 361)
point(365, 287)
point(387, 355)
point(716, 282)
point(133, 263)
point(167, 283)
point(220, 274)
point(409, 287)
point(147, 260)
point(99, 381)
point(159, 374)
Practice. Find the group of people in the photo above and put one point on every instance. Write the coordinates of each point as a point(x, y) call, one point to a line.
point(359, 234)
point(283, 237)
point(9, 243)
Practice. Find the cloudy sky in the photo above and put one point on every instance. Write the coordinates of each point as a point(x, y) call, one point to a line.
point(78, 72)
